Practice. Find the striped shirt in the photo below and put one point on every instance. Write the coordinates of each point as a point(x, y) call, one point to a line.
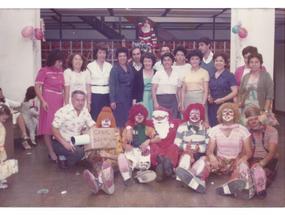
point(197, 135)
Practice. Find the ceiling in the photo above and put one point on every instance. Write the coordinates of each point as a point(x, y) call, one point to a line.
point(121, 19)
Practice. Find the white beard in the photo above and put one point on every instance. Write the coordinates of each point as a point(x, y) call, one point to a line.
point(162, 128)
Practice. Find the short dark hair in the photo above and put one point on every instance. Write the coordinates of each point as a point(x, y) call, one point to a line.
point(224, 56)
point(100, 47)
point(4, 110)
point(30, 93)
point(167, 55)
point(180, 49)
point(134, 48)
point(148, 55)
point(70, 59)
point(53, 56)
point(205, 40)
point(249, 49)
point(122, 50)
point(78, 92)
point(256, 55)
point(195, 52)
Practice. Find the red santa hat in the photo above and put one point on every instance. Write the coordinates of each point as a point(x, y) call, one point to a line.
point(134, 111)
point(106, 113)
point(191, 107)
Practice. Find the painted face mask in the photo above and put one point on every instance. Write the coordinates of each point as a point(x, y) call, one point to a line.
point(106, 123)
point(139, 118)
point(194, 116)
point(228, 115)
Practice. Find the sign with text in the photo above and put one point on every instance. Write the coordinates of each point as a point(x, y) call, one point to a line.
point(102, 138)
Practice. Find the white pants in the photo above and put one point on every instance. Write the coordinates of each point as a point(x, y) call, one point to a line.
point(139, 161)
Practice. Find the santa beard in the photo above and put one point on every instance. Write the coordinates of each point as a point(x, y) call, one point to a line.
point(162, 127)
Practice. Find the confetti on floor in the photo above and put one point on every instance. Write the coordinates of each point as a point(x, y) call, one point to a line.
point(42, 191)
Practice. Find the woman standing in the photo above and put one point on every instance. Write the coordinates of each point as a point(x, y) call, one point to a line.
point(121, 87)
point(196, 82)
point(257, 86)
point(77, 78)
point(142, 86)
point(222, 86)
point(165, 86)
point(49, 88)
point(99, 73)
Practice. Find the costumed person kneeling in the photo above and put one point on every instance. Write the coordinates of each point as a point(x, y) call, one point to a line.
point(69, 121)
point(103, 161)
point(192, 139)
point(164, 154)
point(228, 151)
point(265, 157)
point(137, 138)
point(7, 167)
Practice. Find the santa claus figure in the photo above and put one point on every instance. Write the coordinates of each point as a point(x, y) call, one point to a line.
point(103, 161)
point(137, 137)
point(146, 34)
point(191, 137)
point(164, 154)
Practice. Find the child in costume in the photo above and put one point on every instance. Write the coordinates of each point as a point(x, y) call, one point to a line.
point(191, 137)
point(164, 153)
point(265, 157)
point(229, 149)
point(7, 167)
point(137, 137)
point(103, 161)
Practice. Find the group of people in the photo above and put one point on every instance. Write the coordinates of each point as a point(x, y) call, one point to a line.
point(185, 116)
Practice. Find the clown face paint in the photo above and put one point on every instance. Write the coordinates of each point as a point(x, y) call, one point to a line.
point(139, 118)
point(228, 115)
point(194, 116)
point(106, 123)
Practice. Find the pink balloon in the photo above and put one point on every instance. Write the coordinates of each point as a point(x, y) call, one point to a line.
point(242, 33)
point(27, 32)
point(39, 35)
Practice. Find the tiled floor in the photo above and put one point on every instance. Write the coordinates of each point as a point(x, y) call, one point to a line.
point(37, 172)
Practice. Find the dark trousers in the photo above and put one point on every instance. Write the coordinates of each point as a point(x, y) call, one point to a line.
point(71, 157)
point(98, 101)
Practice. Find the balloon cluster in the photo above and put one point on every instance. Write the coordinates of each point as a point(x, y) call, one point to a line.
point(238, 29)
point(30, 32)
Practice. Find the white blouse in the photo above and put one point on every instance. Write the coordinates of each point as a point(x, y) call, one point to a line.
point(99, 78)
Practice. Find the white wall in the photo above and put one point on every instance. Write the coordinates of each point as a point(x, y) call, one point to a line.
point(260, 24)
point(20, 58)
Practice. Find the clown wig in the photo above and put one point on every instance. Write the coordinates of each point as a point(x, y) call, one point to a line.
point(228, 105)
point(106, 113)
point(135, 110)
point(196, 106)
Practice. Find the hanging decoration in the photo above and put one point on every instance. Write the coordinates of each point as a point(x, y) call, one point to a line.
point(146, 34)
point(27, 32)
point(241, 31)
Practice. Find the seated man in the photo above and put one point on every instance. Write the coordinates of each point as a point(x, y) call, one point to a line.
point(137, 137)
point(71, 120)
point(164, 153)
point(228, 150)
point(265, 157)
point(103, 161)
point(191, 137)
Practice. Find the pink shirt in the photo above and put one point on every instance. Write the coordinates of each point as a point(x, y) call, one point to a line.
point(51, 78)
point(231, 146)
